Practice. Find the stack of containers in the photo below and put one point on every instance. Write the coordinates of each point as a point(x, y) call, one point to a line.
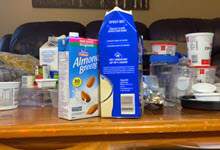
point(163, 64)
point(199, 54)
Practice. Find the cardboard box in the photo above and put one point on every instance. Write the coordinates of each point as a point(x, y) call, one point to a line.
point(49, 55)
point(78, 78)
point(119, 66)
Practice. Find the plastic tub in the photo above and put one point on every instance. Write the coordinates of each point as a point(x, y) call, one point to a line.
point(9, 95)
point(46, 83)
point(34, 97)
point(199, 48)
point(205, 74)
point(163, 48)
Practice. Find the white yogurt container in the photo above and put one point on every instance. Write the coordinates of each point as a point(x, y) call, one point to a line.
point(163, 48)
point(199, 48)
point(205, 74)
point(27, 81)
point(46, 83)
point(9, 95)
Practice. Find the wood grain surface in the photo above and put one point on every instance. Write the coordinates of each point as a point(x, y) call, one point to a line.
point(40, 128)
point(43, 122)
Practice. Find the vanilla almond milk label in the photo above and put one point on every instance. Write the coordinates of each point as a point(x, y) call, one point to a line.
point(119, 59)
point(78, 79)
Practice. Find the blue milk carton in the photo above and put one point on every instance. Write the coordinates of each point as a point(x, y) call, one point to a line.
point(78, 78)
point(119, 62)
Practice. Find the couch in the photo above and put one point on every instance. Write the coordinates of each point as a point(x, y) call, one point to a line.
point(28, 37)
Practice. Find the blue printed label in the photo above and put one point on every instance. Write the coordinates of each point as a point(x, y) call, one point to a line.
point(119, 66)
point(78, 78)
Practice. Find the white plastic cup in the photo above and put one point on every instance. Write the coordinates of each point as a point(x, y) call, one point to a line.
point(199, 48)
point(9, 95)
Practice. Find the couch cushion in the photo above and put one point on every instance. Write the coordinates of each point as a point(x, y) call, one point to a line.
point(5, 43)
point(216, 29)
point(92, 29)
point(171, 29)
point(175, 29)
point(28, 38)
point(142, 30)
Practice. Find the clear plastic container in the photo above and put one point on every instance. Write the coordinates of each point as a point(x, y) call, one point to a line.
point(185, 78)
point(54, 97)
point(164, 68)
point(9, 95)
point(166, 78)
point(34, 97)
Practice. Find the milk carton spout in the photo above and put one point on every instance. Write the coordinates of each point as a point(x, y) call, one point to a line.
point(116, 8)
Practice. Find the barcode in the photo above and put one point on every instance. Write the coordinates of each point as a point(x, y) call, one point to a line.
point(127, 104)
point(194, 59)
point(77, 108)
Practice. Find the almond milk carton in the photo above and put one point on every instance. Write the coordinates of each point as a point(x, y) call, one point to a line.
point(78, 78)
point(119, 62)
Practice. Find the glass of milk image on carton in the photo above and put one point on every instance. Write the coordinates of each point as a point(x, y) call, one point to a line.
point(78, 78)
point(119, 61)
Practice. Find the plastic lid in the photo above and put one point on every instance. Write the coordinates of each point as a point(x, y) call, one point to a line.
point(199, 34)
point(164, 59)
point(46, 80)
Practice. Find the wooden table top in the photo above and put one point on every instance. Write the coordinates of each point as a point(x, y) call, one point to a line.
point(43, 122)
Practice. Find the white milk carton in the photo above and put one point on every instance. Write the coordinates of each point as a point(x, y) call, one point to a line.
point(119, 66)
point(78, 78)
point(49, 55)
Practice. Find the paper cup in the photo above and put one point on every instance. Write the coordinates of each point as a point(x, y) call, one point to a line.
point(199, 48)
point(163, 48)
